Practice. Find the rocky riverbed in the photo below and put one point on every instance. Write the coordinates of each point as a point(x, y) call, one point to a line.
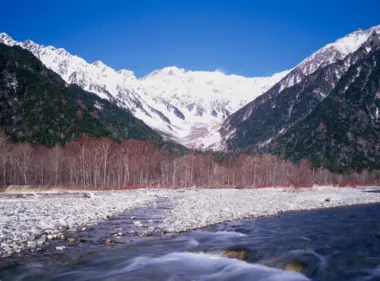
point(31, 221)
point(194, 209)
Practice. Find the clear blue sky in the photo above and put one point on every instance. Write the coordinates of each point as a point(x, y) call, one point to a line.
point(248, 37)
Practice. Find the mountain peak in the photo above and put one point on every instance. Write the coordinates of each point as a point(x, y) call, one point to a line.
point(99, 63)
point(6, 39)
point(167, 71)
point(327, 55)
point(5, 36)
point(29, 44)
point(127, 73)
point(173, 70)
point(352, 41)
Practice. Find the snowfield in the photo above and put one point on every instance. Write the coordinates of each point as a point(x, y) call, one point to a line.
point(28, 221)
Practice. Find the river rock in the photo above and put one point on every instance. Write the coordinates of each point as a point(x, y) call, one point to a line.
point(238, 254)
point(36, 230)
point(308, 263)
point(60, 248)
point(41, 240)
point(138, 223)
point(295, 267)
point(31, 244)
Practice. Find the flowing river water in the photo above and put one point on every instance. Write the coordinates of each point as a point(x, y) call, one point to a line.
point(333, 245)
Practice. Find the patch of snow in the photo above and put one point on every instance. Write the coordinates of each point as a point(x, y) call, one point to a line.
point(231, 133)
point(290, 110)
point(248, 113)
point(268, 141)
point(98, 106)
point(320, 93)
point(11, 82)
point(211, 140)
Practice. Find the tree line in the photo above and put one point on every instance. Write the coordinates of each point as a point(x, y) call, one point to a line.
point(103, 163)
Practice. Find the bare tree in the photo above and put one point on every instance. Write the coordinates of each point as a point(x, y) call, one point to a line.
point(105, 146)
point(175, 166)
point(56, 158)
point(98, 162)
point(23, 159)
point(3, 156)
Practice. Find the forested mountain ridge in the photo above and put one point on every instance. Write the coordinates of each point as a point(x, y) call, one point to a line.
point(328, 117)
point(38, 106)
point(343, 131)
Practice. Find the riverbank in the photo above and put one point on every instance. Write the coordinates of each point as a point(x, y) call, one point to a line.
point(195, 209)
point(28, 221)
point(309, 242)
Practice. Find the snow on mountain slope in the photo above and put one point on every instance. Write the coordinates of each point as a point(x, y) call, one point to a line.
point(329, 54)
point(201, 91)
point(187, 106)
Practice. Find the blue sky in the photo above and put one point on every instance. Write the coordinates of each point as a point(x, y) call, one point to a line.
point(251, 38)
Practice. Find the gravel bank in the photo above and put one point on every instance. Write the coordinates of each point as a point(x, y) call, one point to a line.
point(29, 221)
point(200, 208)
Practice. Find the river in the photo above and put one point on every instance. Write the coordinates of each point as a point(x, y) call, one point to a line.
point(333, 245)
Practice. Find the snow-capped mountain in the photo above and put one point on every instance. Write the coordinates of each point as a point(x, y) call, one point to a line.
point(37, 106)
point(343, 131)
point(329, 54)
point(187, 106)
point(276, 114)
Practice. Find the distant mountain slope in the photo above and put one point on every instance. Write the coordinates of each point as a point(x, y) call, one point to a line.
point(343, 131)
point(37, 106)
point(288, 119)
point(263, 119)
point(187, 106)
